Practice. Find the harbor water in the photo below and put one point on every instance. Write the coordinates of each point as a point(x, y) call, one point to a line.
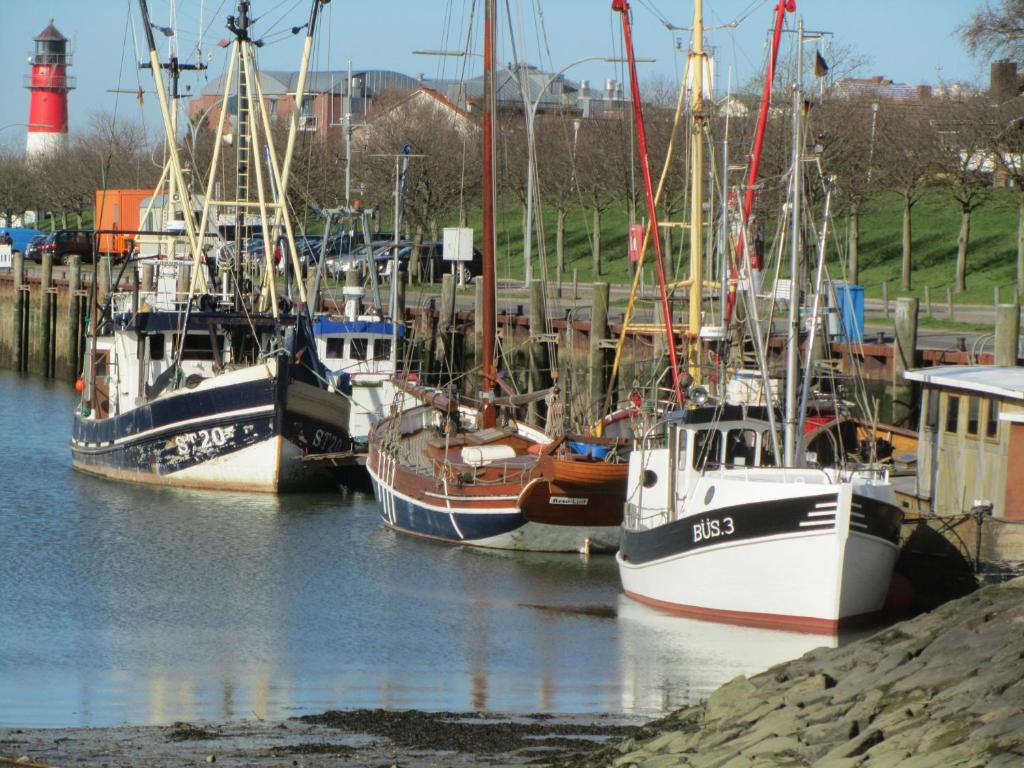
point(137, 605)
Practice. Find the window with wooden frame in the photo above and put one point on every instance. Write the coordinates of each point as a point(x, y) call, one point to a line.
point(973, 415)
point(952, 413)
point(992, 420)
point(931, 410)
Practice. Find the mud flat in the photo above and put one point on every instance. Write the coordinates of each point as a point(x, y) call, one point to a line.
point(943, 689)
point(405, 739)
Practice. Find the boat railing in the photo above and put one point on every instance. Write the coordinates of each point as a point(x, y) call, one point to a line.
point(640, 517)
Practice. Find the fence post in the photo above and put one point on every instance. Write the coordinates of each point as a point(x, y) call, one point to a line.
point(928, 301)
point(885, 298)
point(949, 302)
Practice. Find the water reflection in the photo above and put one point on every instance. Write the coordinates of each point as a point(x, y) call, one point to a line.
point(121, 603)
point(671, 661)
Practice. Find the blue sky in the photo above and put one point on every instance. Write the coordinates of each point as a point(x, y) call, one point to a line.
point(905, 40)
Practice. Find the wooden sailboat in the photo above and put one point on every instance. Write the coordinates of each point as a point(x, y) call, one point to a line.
point(473, 475)
point(200, 388)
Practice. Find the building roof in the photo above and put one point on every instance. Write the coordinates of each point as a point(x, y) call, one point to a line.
point(279, 83)
point(1000, 380)
point(50, 33)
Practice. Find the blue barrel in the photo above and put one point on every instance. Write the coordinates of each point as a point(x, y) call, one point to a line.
point(850, 303)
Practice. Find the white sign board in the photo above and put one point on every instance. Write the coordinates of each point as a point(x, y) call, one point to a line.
point(5, 257)
point(458, 244)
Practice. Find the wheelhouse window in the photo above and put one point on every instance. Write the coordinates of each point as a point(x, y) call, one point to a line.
point(199, 346)
point(952, 413)
point(973, 414)
point(156, 346)
point(740, 447)
point(707, 448)
point(992, 420)
point(335, 348)
point(381, 349)
point(357, 349)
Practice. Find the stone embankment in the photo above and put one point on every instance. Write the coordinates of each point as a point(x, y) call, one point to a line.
point(944, 689)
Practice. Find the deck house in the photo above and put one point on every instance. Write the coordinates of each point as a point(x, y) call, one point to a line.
point(970, 446)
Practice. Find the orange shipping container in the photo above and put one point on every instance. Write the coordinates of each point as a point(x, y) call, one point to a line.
point(118, 209)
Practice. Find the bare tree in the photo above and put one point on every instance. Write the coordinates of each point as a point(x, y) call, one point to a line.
point(998, 31)
point(602, 167)
point(438, 182)
point(1007, 148)
point(906, 151)
point(845, 130)
point(961, 157)
point(556, 179)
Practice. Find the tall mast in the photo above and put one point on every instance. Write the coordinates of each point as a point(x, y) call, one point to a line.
point(489, 319)
point(622, 7)
point(696, 66)
point(793, 336)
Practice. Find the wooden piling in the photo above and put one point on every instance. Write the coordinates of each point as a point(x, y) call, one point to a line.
point(903, 359)
point(46, 329)
point(598, 332)
point(538, 352)
point(148, 275)
point(101, 274)
point(1007, 334)
point(445, 327)
point(21, 301)
point(75, 305)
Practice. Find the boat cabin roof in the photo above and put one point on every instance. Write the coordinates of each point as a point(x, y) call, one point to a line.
point(361, 327)
point(999, 380)
point(705, 415)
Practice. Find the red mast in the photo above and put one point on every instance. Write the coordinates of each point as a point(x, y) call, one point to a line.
point(622, 6)
point(489, 319)
point(784, 7)
point(49, 84)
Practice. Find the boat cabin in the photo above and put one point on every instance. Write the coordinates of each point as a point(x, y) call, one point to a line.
point(970, 434)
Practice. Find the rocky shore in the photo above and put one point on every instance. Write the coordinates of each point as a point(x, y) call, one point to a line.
point(944, 689)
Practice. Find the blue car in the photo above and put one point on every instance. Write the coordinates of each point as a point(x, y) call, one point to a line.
point(20, 237)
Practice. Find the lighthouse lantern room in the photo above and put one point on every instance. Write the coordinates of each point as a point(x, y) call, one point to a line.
point(49, 85)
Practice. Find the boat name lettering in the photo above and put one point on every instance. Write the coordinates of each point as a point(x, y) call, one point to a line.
point(327, 441)
point(203, 440)
point(572, 501)
point(712, 529)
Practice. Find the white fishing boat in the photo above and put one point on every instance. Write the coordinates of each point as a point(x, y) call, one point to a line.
point(188, 385)
point(728, 519)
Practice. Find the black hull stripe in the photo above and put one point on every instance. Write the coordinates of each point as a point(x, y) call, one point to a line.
point(757, 520)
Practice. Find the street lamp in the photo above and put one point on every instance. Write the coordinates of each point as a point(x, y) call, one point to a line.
point(530, 108)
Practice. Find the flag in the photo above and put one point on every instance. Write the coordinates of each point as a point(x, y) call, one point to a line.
point(820, 65)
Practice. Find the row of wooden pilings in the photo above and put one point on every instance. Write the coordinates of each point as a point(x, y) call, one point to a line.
point(44, 334)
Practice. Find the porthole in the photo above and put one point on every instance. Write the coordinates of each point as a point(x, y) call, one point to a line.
point(650, 478)
point(709, 495)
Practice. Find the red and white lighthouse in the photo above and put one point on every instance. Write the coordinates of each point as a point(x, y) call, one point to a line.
point(49, 84)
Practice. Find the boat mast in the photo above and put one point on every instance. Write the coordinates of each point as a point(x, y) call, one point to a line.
point(176, 175)
point(784, 7)
point(793, 337)
point(622, 6)
point(489, 319)
point(696, 65)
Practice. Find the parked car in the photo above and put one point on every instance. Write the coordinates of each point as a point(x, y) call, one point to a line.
point(21, 237)
point(65, 243)
point(432, 263)
point(356, 259)
point(34, 249)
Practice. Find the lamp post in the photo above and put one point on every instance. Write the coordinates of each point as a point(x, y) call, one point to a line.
point(530, 107)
